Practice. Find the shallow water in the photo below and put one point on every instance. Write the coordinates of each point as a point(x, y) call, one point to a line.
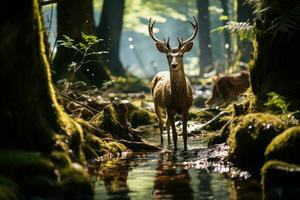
point(199, 173)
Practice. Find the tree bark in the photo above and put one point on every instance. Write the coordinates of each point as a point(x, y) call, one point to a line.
point(227, 39)
point(74, 18)
point(109, 29)
point(244, 14)
point(30, 114)
point(276, 59)
point(206, 57)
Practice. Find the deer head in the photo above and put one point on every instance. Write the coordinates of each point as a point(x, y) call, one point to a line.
point(174, 56)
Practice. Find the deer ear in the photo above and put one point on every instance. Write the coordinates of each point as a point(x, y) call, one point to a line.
point(187, 47)
point(161, 47)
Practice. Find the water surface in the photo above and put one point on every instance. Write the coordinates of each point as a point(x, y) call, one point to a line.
point(198, 173)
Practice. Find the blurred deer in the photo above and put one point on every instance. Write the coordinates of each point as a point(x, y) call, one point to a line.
point(228, 87)
point(171, 90)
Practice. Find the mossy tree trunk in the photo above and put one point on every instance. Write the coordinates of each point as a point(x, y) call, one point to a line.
point(74, 18)
point(244, 14)
point(29, 112)
point(110, 29)
point(206, 57)
point(276, 60)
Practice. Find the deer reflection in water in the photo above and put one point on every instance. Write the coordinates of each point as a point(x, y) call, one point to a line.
point(172, 180)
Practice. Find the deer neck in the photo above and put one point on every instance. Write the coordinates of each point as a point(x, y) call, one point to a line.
point(178, 83)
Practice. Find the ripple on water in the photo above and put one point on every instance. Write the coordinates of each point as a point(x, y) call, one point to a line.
point(200, 173)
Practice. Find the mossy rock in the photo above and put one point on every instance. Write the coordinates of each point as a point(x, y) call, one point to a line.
point(141, 117)
point(95, 147)
point(249, 137)
point(113, 119)
point(280, 180)
point(31, 171)
point(75, 183)
point(60, 159)
point(285, 146)
point(8, 189)
point(12, 161)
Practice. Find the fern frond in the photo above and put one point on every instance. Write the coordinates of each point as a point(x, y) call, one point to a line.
point(244, 30)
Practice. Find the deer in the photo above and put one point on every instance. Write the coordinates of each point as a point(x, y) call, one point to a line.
point(171, 91)
point(228, 87)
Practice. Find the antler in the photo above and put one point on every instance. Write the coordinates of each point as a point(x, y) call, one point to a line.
point(195, 27)
point(150, 28)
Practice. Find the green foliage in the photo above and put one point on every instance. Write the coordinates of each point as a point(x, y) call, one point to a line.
point(288, 17)
point(277, 101)
point(84, 49)
point(244, 30)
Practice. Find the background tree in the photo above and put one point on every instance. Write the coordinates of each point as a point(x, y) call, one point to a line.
point(276, 60)
point(73, 19)
point(227, 38)
point(109, 30)
point(244, 14)
point(206, 57)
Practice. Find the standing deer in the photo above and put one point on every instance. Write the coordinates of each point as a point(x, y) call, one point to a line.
point(172, 91)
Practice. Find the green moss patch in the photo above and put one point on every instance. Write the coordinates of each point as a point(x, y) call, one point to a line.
point(141, 117)
point(113, 119)
point(249, 137)
point(286, 146)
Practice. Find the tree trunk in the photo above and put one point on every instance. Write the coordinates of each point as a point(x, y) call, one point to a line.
point(206, 57)
point(109, 30)
point(74, 18)
point(276, 60)
point(30, 114)
point(244, 14)
point(227, 39)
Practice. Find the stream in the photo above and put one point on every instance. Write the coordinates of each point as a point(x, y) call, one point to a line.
point(199, 173)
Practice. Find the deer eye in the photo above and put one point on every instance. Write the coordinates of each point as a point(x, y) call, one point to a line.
point(181, 55)
point(169, 56)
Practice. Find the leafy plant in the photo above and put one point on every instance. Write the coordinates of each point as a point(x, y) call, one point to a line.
point(244, 30)
point(277, 101)
point(84, 48)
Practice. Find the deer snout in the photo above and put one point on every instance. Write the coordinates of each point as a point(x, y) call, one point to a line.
point(174, 65)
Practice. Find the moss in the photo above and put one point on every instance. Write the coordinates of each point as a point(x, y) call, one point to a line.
point(113, 119)
point(60, 159)
point(280, 180)
point(249, 137)
point(285, 146)
point(8, 189)
point(142, 117)
point(75, 183)
point(95, 147)
point(31, 171)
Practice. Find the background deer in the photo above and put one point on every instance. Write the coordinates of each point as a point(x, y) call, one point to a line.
point(171, 90)
point(228, 87)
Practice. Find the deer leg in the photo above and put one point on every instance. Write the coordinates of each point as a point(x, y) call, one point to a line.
point(161, 124)
point(184, 127)
point(172, 123)
point(168, 130)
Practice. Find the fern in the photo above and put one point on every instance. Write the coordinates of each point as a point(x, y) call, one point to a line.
point(277, 101)
point(287, 22)
point(244, 30)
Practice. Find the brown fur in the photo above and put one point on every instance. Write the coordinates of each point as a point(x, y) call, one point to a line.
point(228, 87)
point(172, 91)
